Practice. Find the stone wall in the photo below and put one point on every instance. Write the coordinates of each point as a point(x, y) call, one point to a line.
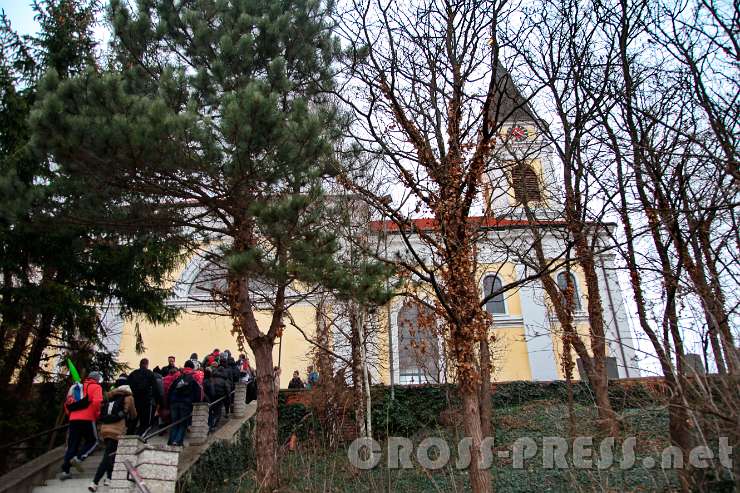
point(156, 466)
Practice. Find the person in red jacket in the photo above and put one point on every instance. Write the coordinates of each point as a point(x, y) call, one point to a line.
point(164, 408)
point(82, 436)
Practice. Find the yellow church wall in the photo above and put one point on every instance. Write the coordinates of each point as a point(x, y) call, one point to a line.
point(509, 355)
point(582, 329)
point(511, 360)
point(384, 363)
point(201, 334)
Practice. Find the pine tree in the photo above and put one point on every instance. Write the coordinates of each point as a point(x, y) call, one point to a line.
point(215, 123)
point(56, 269)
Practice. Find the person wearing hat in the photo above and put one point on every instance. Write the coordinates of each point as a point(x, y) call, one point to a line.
point(111, 430)
point(82, 436)
point(121, 380)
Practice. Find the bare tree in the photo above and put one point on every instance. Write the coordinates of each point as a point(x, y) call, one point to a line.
point(430, 99)
point(553, 48)
point(637, 90)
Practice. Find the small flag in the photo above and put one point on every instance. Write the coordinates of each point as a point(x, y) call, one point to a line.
point(73, 371)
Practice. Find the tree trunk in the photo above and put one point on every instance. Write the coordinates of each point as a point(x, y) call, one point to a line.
point(324, 362)
point(357, 374)
point(600, 385)
point(365, 375)
point(266, 433)
point(594, 362)
point(567, 366)
point(597, 332)
point(716, 348)
point(678, 431)
point(486, 412)
point(13, 358)
point(266, 445)
point(33, 361)
point(480, 479)
point(5, 295)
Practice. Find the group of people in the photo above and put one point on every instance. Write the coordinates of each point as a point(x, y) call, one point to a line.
point(147, 398)
point(158, 402)
point(312, 378)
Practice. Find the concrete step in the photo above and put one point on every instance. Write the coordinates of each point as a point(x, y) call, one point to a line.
point(72, 485)
point(79, 480)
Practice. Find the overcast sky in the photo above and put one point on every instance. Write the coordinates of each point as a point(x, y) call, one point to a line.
point(20, 14)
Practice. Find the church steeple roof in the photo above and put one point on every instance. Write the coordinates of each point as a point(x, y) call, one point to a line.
point(509, 106)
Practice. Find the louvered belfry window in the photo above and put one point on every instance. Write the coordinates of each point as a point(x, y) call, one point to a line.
point(525, 183)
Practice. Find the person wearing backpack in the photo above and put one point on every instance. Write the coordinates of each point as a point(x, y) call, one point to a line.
point(83, 407)
point(116, 409)
point(164, 409)
point(183, 392)
point(146, 392)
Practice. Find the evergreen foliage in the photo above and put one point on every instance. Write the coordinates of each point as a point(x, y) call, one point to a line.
point(215, 119)
point(215, 124)
point(57, 268)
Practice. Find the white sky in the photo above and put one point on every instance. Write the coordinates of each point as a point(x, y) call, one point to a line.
point(21, 15)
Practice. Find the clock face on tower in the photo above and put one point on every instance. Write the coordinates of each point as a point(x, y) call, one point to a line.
point(518, 133)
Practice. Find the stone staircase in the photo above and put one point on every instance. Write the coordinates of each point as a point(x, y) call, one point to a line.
point(80, 480)
point(159, 465)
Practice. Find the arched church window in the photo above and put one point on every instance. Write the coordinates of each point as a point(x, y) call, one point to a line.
point(495, 305)
point(525, 183)
point(418, 350)
point(212, 279)
point(563, 285)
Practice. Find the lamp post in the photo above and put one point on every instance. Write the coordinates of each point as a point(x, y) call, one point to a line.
point(387, 199)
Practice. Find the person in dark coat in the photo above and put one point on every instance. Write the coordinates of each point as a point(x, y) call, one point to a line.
point(165, 370)
point(223, 374)
point(234, 371)
point(183, 393)
point(296, 382)
point(216, 387)
point(146, 392)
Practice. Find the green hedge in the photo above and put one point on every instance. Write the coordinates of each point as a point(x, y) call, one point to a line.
point(420, 407)
point(412, 410)
point(221, 467)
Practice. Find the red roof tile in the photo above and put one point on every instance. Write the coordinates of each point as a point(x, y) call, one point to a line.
point(430, 224)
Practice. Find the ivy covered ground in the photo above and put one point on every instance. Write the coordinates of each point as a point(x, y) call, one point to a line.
point(322, 471)
point(521, 410)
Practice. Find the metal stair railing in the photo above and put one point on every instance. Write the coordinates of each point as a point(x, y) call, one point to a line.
point(133, 475)
point(156, 432)
point(12, 445)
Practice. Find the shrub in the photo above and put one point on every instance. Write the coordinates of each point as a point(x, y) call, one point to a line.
point(221, 467)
